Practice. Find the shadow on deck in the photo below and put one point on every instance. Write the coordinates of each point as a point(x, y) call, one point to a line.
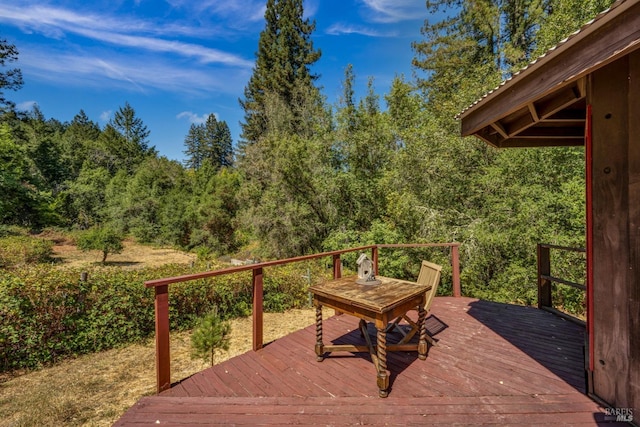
point(493, 364)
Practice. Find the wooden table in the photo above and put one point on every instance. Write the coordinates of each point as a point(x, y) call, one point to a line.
point(379, 304)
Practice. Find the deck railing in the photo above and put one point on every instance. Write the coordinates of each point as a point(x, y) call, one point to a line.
point(546, 280)
point(161, 287)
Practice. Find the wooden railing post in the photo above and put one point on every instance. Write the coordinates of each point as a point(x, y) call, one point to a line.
point(257, 308)
point(544, 269)
point(374, 259)
point(163, 359)
point(337, 267)
point(455, 270)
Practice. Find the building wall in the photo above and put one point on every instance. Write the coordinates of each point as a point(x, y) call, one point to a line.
point(614, 94)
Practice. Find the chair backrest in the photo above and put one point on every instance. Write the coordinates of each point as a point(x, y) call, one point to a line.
point(429, 275)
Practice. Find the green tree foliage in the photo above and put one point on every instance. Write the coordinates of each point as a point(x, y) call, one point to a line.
point(42, 139)
point(77, 141)
point(498, 203)
point(103, 239)
point(366, 147)
point(566, 17)
point(10, 79)
point(150, 204)
point(469, 52)
point(194, 147)
point(211, 334)
point(218, 145)
point(125, 139)
point(212, 210)
point(283, 60)
point(22, 201)
point(288, 193)
point(210, 143)
point(85, 197)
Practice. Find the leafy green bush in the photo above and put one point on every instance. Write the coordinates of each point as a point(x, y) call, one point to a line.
point(49, 313)
point(18, 250)
point(103, 239)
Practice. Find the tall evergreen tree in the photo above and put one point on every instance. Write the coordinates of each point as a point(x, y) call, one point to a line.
point(10, 79)
point(218, 149)
point(131, 145)
point(473, 50)
point(131, 128)
point(78, 138)
point(285, 54)
point(210, 143)
point(194, 146)
point(565, 17)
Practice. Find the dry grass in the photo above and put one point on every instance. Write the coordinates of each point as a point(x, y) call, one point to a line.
point(95, 390)
point(134, 255)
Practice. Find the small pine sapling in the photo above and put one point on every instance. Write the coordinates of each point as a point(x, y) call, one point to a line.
point(210, 334)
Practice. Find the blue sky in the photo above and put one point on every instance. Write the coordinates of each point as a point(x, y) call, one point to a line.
point(177, 61)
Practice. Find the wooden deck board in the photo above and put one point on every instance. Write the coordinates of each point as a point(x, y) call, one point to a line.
point(494, 364)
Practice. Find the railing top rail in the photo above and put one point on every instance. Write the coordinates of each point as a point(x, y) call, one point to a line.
point(563, 248)
point(248, 267)
point(417, 245)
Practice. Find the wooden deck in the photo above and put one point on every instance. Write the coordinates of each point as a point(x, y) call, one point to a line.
point(493, 364)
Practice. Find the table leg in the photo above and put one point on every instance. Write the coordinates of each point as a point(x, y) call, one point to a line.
point(422, 343)
point(319, 344)
point(383, 376)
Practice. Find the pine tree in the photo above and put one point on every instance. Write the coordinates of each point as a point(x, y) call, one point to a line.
point(472, 51)
point(218, 149)
point(131, 127)
point(285, 54)
point(194, 143)
point(225, 145)
point(10, 79)
point(133, 145)
point(78, 137)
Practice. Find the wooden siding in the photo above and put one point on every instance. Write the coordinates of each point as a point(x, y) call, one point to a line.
point(493, 364)
point(613, 92)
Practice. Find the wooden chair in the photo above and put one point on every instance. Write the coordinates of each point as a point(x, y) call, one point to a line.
point(429, 274)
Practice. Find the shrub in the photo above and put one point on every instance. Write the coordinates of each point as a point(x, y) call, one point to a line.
point(48, 313)
point(103, 239)
point(17, 250)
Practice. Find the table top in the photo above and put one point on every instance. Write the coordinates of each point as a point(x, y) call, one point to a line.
point(379, 298)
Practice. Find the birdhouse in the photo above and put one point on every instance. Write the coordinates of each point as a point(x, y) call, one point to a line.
point(366, 274)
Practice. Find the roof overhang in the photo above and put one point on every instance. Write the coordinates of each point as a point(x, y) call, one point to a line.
point(545, 103)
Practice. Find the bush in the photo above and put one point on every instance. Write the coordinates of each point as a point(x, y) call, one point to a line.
point(48, 313)
point(103, 239)
point(20, 250)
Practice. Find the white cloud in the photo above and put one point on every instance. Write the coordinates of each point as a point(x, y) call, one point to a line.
point(26, 105)
point(105, 116)
point(55, 23)
point(239, 12)
point(137, 74)
point(388, 11)
point(193, 117)
point(338, 29)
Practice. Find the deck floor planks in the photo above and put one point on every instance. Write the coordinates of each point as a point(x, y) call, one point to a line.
point(484, 369)
point(247, 370)
point(306, 371)
point(289, 386)
point(457, 384)
point(349, 374)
